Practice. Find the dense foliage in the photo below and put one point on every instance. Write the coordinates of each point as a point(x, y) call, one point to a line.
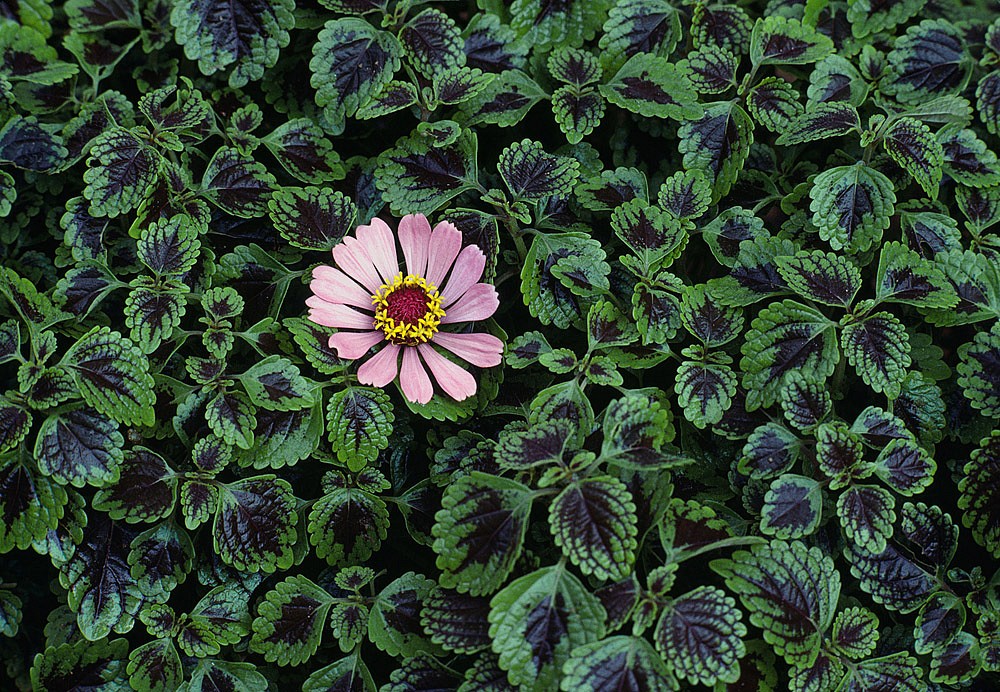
point(749, 278)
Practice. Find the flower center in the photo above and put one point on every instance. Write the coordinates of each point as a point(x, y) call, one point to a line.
point(408, 310)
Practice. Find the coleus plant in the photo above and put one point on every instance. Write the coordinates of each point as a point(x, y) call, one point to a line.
point(743, 264)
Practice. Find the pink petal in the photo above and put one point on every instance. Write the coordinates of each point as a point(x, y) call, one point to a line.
point(353, 345)
point(413, 378)
point(455, 381)
point(414, 234)
point(352, 259)
point(381, 246)
point(380, 369)
point(334, 286)
point(467, 271)
point(478, 303)
point(446, 241)
point(337, 316)
point(482, 350)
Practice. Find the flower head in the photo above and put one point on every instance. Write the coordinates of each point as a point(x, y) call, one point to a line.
point(406, 311)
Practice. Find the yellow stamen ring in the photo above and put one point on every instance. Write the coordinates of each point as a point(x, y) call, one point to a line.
point(408, 310)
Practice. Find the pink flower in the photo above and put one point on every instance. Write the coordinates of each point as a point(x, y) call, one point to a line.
point(371, 302)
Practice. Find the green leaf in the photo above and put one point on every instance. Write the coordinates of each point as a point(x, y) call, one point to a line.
point(718, 142)
point(700, 633)
point(505, 101)
point(652, 87)
point(532, 175)
point(979, 371)
point(457, 622)
point(230, 415)
point(348, 525)
point(839, 453)
point(790, 591)
point(770, 449)
point(432, 42)
point(825, 277)
point(712, 323)
point(879, 348)
point(685, 194)
point(283, 438)
point(792, 508)
point(526, 349)
point(275, 384)
point(31, 504)
point(777, 40)
point(289, 626)
point(611, 189)
point(313, 341)
point(160, 559)
point(821, 121)
point(244, 37)
point(866, 515)
point(359, 420)
point(639, 26)
point(930, 233)
point(79, 447)
point(871, 17)
point(418, 177)
point(930, 60)
point(24, 143)
point(198, 502)
point(635, 427)
point(153, 310)
point(905, 277)
point(911, 144)
point(145, 490)
point(214, 674)
point(540, 445)
point(544, 25)
point(786, 337)
point(112, 374)
point(348, 673)
point(834, 79)
point(774, 103)
point(938, 621)
point(155, 665)
point(99, 664)
point(304, 151)
point(479, 532)
point(15, 422)
point(558, 268)
point(851, 206)
point(655, 236)
point(905, 466)
point(538, 619)
point(626, 664)
point(967, 159)
point(855, 632)
point(254, 528)
point(312, 218)
point(351, 62)
point(711, 69)
point(656, 313)
point(594, 522)
point(220, 618)
point(705, 391)
point(170, 247)
point(979, 497)
point(577, 112)
point(237, 184)
point(394, 623)
point(100, 589)
point(122, 172)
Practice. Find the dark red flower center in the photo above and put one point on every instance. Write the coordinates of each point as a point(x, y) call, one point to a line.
point(407, 304)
